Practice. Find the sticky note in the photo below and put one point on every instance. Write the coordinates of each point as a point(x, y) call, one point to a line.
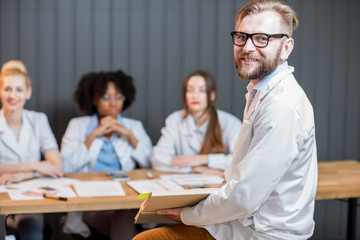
point(143, 195)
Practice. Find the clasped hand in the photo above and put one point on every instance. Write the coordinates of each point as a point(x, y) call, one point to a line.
point(109, 125)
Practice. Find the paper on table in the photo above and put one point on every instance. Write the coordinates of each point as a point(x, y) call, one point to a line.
point(37, 193)
point(43, 183)
point(99, 189)
point(3, 189)
point(193, 179)
point(153, 185)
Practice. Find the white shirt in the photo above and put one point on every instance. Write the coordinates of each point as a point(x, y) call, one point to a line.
point(181, 136)
point(272, 180)
point(78, 158)
point(35, 137)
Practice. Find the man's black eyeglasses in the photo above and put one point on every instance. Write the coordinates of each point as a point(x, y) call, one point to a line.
point(260, 40)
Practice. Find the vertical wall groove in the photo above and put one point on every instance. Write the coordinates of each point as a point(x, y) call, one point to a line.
point(182, 57)
point(346, 78)
point(92, 34)
point(130, 9)
point(56, 60)
point(198, 39)
point(74, 52)
point(147, 59)
point(19, 36)
point(200, 16)
point(330, 97)
point(165, 58)
point(111, 35)
point(216, 39)
point(37, 67)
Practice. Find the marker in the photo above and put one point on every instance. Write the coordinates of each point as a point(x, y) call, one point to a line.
point(55, 197)
point(149, 175)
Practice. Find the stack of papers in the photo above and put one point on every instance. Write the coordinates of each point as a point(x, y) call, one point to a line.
point(193, 179)
point(154, 185)
point(99, 189)
point(35, 189)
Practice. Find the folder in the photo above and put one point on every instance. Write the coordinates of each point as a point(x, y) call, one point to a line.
point(169, 199)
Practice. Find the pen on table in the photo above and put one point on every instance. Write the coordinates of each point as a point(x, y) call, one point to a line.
point(161, 185)
point(55, 197)
point(149, 175)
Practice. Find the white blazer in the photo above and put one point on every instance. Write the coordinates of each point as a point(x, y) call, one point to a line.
point(78, 158)
point(35, 138)
point(180, 136)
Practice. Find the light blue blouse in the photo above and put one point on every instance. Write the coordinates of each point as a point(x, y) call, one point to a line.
point(107, 159)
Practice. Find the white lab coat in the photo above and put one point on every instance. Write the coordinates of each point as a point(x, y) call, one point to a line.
point(272, 180)
point(181, 136)
point(78, 158)
point(35, 138)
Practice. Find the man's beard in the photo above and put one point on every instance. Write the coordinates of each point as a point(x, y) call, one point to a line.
point(266, 67)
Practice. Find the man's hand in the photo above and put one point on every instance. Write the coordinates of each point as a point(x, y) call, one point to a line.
point(172, 213)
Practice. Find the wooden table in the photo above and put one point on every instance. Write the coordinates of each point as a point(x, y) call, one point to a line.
point(339, 180)
point(336, 180)
point(130, 201)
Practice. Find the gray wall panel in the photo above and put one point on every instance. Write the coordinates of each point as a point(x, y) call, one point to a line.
point(159, 42)
point(120, 35)
point(323, 56)
point(338, 79)
point(208, 32)
point(101, 34)
point(352, 109)
point(155, 63)
point(83, 41)
point(138, 58)
point(173, 58)
point(9, 19)
point(64, 60)
point(190, 35)
point(27, 48)
point(46, 66)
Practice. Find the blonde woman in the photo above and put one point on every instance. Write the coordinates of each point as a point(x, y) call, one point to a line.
point(24, 136)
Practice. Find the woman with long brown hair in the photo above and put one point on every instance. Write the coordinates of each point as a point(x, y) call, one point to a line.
point(198, 138)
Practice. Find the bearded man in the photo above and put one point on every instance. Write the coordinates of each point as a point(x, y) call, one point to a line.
point(271, 182)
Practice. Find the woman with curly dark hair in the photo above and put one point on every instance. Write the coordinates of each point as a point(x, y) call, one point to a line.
point(104, 140)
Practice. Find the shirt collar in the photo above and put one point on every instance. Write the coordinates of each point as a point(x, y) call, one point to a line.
point(265, 83)
point(26, 123)
point(191, 125)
